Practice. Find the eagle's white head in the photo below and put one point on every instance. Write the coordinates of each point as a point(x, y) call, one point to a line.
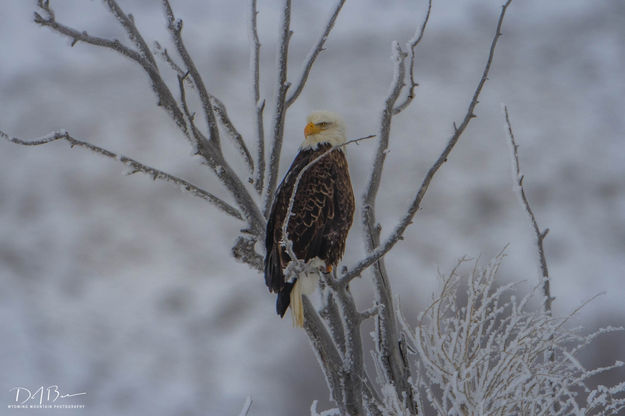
point(323, 127)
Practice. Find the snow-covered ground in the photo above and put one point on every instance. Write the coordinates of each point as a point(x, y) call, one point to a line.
point(125, 289)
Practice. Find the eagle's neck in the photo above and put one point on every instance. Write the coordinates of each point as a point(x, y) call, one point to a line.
point(316, 149)
point(314, 141)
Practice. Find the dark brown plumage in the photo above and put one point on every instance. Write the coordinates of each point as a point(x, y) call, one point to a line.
point(322, 214)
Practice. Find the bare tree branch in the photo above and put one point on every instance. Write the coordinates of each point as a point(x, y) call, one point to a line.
point(165, 98)
point(244, 251)
point(128, 23)
point(134, 165)
point(175, 28)
point(331, 315)
point(233, 133)
point(280, 106)
point(540, 234)
point(325, 350)
point(259, 105)
point(314, 52)
point(353, 357)
point(412, 45)
point(398, 232)
point(164, 54)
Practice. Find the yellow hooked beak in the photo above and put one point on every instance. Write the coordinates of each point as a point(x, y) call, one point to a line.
point(311, 128)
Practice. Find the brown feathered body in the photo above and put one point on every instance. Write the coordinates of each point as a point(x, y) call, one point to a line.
point(322, 213)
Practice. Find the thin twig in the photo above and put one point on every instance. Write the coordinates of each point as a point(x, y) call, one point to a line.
point(314, 52)
point(399, 230)
point(279, 113)
point(134, 165)
point(128, 23)
point(164, 54)
point(175, 28)
point(540, 237)
point(200, 140)
point(259, 105)
point(540, 234)
point(233, 133)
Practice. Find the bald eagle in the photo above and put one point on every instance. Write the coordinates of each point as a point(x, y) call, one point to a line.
point(321, 214)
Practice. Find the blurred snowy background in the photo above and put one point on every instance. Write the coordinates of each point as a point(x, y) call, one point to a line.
point(125, 289)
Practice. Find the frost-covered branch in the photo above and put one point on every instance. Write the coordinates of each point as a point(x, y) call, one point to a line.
point(353, 352)
point(175, 28)
point(325, 350)
point(411, 46)
point(233, 133)
point(279, 112)
point(314, 52)
point(259, 105)
point(540, 234)
point(128, 23)
point(134, 166)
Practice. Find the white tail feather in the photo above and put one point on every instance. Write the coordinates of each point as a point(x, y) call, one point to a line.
point(305, 285)
point(297, 308)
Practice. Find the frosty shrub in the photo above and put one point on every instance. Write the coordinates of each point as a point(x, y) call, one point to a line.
point(478, 349)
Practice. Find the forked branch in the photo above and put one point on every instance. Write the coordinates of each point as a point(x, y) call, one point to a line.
point(412, 46)
point(165, 97)
point(399, 230)
point(314, 52)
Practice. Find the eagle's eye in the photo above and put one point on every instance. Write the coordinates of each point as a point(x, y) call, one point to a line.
point(323, 124)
